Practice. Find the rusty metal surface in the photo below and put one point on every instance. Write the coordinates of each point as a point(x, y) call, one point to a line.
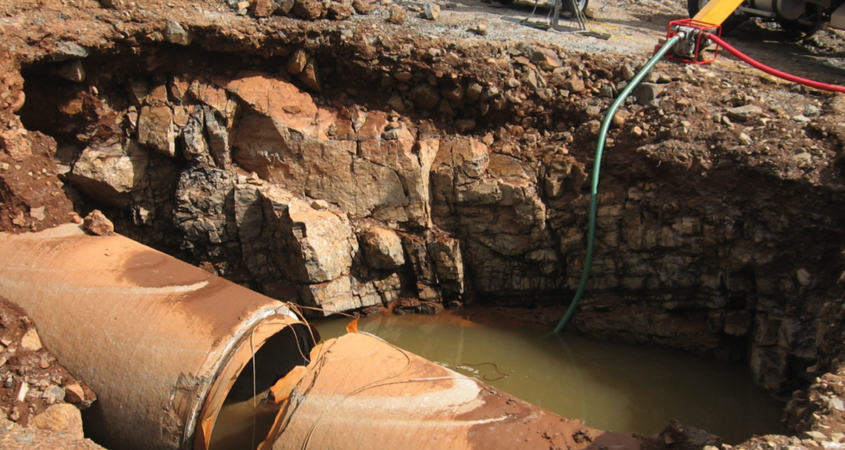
point(147, 332)
point(360, 392)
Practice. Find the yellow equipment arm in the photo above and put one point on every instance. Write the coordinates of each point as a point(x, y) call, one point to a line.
point(716, 11)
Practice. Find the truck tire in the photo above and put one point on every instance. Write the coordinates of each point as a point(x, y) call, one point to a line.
point(797, 30)
point(731, 23)
point(580, 4)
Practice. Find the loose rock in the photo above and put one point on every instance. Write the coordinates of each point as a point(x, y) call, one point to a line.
point(97, 224)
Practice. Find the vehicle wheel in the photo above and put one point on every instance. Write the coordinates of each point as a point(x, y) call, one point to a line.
point(730, 24)
point(797, 30)
point(580, 4)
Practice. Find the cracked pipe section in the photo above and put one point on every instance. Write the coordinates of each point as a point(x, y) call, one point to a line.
point(160, 341)
point(362, 392)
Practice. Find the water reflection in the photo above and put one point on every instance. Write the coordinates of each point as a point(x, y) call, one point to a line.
point(611, 386)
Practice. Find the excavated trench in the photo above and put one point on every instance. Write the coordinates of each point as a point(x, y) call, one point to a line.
point(348, 172)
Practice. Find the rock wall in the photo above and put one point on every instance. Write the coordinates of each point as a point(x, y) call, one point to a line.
point(408, 180)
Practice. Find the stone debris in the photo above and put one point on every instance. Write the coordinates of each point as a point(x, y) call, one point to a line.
point(30, 341)
point(397, 15)
point(15, 144)
point(431, 11)
point(16, 437)
point(383, 249)
point(479, 29)
point(98, 224)
point(72, 71)
point(176, 34)
point(66, 50)
point(35, 387)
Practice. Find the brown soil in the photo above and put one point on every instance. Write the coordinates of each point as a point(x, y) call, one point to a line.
point(693, 147)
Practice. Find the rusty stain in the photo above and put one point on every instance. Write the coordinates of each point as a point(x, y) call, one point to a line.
point(148, 333)
point(361, 392)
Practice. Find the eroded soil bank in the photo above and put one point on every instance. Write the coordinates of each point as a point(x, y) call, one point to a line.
point(355, 163)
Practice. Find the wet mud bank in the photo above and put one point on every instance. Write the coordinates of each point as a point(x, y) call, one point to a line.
point(356, 164)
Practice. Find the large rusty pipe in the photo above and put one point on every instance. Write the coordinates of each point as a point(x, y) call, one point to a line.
point(360, 392)
point(160, 341)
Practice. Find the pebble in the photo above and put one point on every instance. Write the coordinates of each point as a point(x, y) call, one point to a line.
point(628, 72)
point(63, 418)
point(38, 213)
point(54, 394)
point(744, 113)
point(745, 139)
point(480, 29)
point(814, 435)
point(432, 11)
point(30, 340)
point(74, 393)
point(646, 93)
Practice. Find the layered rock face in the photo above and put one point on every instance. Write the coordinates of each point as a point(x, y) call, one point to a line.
point(340, 206)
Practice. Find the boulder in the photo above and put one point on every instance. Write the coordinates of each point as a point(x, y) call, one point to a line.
point(15, 144)
point(72, 71)
point(383, 249)
point(311, 246)
point(108, 174)
point(98, 224)
point(297, 61)
point(424, 96)
point(155, 129)
point(308, 9)
point(216, 99)
point(325, 170)
point(195, 146)
point(203, 206)
point(362, 6)
point(309, 75)
point(264, 8)
point(63, 418)
point(397, 15)
point(218, 138)
point(176, 34)
point(340, 11)
point(276, 98)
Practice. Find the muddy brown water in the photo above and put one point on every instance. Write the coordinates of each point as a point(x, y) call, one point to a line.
point(610, 386)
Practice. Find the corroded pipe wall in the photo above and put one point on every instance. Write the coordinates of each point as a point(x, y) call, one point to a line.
point(360, 392)
point(160, 341)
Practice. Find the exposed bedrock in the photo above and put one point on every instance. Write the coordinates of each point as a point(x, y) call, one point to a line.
point(340, 206)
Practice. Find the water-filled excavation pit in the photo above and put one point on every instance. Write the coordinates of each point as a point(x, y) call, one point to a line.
point(349, 167)
point(610, 386)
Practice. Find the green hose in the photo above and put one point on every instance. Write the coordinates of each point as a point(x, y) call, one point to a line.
point(594, 188)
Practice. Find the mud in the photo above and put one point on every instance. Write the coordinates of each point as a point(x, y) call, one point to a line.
point(351, 163)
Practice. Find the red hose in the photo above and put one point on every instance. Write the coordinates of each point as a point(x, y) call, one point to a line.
point(771, 71)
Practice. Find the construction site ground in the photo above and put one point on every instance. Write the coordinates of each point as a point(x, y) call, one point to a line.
point(702, 101)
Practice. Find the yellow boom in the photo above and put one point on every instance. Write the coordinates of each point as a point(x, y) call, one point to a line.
point(716, 11)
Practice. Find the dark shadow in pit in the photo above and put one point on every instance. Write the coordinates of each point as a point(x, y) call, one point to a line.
point(248, 414)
